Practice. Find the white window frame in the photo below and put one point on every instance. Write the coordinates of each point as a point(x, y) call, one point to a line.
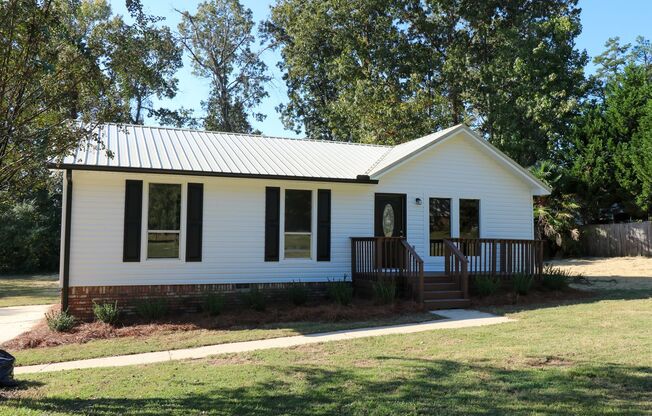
point(145, 221)
point(313, 227)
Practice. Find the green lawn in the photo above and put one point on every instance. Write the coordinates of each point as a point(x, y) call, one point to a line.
point(196, 338)
point(22, 290)
point(592, 357)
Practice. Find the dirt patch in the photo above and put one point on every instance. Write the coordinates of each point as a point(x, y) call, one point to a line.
point(235, 359)
point(535, 297)
point(617, 273)
point(549, 361)
point(361, 310)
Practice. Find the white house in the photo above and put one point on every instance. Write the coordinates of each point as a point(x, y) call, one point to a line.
point(175, 213)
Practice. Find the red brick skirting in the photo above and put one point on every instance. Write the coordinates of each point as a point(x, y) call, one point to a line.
point(178, 298)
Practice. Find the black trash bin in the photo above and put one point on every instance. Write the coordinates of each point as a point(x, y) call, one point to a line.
point(7, 369)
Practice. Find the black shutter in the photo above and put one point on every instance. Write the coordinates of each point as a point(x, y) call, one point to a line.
point(133, 221)
point(272, 215)
point(194, 218)
point(323, 225)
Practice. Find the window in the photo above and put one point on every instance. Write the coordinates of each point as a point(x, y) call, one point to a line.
point(163, 221)
point(469, 218)
point(298, 224)
point(440, 224)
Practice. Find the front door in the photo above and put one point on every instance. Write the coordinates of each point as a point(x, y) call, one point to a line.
point(389, 218)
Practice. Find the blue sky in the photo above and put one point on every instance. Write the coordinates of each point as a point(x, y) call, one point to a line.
point(601, 19)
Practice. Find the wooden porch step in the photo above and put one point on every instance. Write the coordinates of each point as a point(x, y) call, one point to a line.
point(437, 279)
point(442, 294)
point(446, 303)
point(431, 287)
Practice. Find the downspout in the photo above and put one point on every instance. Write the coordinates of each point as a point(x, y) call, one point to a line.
point(66, 242)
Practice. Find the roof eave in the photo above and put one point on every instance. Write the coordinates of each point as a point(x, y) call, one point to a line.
point(360, 179)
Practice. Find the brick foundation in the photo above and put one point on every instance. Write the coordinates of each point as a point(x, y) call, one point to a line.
point(179, 298)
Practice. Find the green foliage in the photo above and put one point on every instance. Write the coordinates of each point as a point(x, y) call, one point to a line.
point(152, 309)
point(555, 216)
point(109, 313)
point(60, 321)
point(30, 225)
point(522, 283)
point(255, 299)
point(214, 304)
point(555, 278)
point(219, 39)
point(384, 291)
point(484, 285)
point(340, 291)
point(390, 71)
point(608, 167)
point(298, 294)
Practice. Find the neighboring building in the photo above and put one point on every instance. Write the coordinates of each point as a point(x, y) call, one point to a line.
point(177, 212)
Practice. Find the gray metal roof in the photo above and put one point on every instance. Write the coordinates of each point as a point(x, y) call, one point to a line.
point(172, 150)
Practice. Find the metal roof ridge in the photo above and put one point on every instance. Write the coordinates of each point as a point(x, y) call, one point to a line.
point(247, 134)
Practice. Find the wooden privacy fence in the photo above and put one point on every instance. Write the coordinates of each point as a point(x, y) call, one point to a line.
point(616, 240)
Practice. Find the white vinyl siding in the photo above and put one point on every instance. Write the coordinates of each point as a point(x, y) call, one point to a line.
point(234, 219)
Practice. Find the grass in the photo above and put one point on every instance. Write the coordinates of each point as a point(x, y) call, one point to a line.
point(586, 358)
point(171, 340)
point(20, 290)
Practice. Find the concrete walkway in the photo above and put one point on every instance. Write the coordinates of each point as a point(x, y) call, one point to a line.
point(453, 318)
point(15, 320)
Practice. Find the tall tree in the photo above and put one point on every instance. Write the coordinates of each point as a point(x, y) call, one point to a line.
point(139, 61)
point(387, 71)
point(48, 79)
point(219, 39)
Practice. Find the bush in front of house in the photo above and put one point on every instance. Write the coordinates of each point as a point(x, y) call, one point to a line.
point(340, 291)
point(384, 291)
point(298, 294)
point(555, 278)
point(213, 304)
point(152, 309)
point(484, 285)
point(522, 283)
point(60, 321)
point(255, 299)
point(106, 312)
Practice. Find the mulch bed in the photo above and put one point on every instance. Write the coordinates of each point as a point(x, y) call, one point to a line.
point(535, 297)
point(359, 310)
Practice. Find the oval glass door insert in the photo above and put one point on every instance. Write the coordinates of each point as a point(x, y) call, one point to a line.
point(388, 220)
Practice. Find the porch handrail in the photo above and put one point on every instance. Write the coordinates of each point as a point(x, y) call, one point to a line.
point(500, 256)
point(414, 268)
point(457, 266)
point(376, 258)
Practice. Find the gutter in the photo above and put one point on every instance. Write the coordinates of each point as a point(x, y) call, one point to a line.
point(364, 179)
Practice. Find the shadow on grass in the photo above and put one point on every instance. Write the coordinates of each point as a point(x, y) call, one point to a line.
point(382, 386)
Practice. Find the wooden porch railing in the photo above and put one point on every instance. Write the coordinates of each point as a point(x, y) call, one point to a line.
point(501, 256)
point(376, 258)
point(456, 266)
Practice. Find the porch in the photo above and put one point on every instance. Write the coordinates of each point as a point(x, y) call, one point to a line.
point(376, 259)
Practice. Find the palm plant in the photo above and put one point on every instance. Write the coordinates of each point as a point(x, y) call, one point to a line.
point(554, 215)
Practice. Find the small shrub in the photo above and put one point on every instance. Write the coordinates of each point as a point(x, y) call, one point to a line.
point(555, 278)
point(486, 285)
point(298, 294)
point(522, 283)
point(213, 304)
point(60, 321)
point(340, 291)
point(106, 312)
point(255, 299)
point(152, 309)
point(384, 291)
